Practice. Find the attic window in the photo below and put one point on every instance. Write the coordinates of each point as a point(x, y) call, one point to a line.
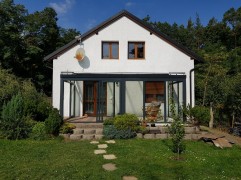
point(110, 50)
point(136, 50)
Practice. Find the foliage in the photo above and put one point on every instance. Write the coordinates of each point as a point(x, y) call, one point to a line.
point(109, 121)
point(67, 128)
point(39, 131)
point(126, 121)
point(201, 114)
point(111, 132)
point(53, 122)
point(14, 124)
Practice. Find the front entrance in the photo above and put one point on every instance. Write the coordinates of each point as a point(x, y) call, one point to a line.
point(91, 97)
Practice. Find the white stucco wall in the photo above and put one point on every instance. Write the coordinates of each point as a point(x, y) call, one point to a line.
point(160, 57)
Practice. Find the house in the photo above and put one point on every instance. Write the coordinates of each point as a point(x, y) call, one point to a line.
point(122, 66)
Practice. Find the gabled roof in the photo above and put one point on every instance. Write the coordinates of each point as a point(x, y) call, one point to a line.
point(111, 20)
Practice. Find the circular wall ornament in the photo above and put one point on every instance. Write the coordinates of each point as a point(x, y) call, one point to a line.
point(80, 54)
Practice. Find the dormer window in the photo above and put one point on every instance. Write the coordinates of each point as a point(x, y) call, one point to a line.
point(110, 50)
point(136, 50)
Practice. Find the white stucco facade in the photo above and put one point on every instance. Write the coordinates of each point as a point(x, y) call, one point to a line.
point(161, 57)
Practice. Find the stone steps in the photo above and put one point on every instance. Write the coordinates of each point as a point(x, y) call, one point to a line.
point(86, 131)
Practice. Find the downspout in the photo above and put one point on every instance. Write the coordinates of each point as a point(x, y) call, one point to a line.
point(190, 79)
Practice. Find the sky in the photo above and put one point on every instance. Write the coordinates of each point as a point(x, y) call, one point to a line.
point(86, 14)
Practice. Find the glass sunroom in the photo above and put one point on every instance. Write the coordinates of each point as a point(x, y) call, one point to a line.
point(100, 96)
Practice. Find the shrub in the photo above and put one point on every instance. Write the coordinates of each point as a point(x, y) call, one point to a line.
point(14, 124)
point(201, 114)
point(39, 131)
point(67, 128)
point(111, 132)
point(177, 133)
point(109, 121)
point(53, 122)
point(126, 121)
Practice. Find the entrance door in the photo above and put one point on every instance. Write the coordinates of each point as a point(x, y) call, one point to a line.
point(91, 98)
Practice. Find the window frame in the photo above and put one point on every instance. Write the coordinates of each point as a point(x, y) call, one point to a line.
point(110, 50)
point(136, 43)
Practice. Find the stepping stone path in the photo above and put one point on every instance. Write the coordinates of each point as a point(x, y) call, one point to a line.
point(102, 146)
point(109, 166)
point(109, 156)
point(100, 151)
point(129, 178)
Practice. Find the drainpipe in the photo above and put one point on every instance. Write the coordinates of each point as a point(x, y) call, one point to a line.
point(190, 76)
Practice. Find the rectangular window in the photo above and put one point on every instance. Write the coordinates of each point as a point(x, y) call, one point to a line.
point(136, 50)
point(110, 50)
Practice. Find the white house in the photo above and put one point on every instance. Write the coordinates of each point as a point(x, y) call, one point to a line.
point(127, 65)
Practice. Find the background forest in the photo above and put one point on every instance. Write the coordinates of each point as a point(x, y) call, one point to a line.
point(25, 39)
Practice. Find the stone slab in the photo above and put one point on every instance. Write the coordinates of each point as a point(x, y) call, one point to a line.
point(129, 178)
point(102, 146)
point(149, 136)
point(109, 156)
point(97, 136)
point(75, 136)
point(109, 167)
point(88, 136)
point(89, 131)
point(161, 136)
point(110, 142)
point(139, 135)
point(94, 142)
point(100, 151)
point(99, 131)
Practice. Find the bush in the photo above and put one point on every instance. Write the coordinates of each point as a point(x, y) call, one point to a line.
point(109, 121)
point(201, 114)
point(67, 128)
point(53, 122)
point(14, 123)
point(111, 132)
point(126, 122)
point(39, 131)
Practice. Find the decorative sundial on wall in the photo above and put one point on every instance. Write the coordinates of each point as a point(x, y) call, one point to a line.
point(80, 54)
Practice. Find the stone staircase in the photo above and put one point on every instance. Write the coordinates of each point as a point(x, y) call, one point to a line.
point(86, 131)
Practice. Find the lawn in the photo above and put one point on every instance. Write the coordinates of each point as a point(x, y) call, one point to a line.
point(145, 159)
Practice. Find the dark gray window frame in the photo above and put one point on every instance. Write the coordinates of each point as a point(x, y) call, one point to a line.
point(121, 78)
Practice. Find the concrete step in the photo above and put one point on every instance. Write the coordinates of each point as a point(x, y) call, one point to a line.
point(88, 125)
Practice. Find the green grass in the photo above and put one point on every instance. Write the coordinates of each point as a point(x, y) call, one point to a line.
point(145, 159)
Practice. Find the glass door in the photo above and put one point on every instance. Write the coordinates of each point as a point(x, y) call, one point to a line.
point(90, 98)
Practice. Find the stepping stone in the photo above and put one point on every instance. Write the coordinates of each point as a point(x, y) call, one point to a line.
point(100, 151)
point(110, 142)
point(129, 178)
point(109, 156)
point(94, 142)
point(102, 146)
point(109, 167)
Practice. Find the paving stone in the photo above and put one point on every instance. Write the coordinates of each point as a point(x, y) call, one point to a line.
point(75, 136)
point(190, 130)
point(94, 142)
point(100, 151)
point(129, 178)
point(99, 136)
point(109, 167)
point(88, 136)
point(78, 131)
point(149, 136)
point(139, 135)
point(99, 131)
point(109, 156)
point(89, 131)
point(161, 136)
point(110, 142)
point(102, 146)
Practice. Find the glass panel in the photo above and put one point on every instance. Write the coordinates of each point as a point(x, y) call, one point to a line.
point(113, 98)
point(115, 50)
point(131, 50)
point(140, 50)
point(154, 101)
point(134, 98)
point(105, 50)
